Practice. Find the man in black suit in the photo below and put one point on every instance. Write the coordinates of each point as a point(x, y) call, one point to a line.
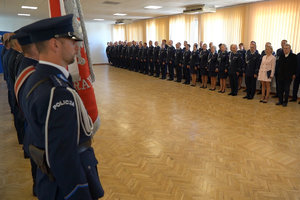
point(296, 80)
point(286, 69)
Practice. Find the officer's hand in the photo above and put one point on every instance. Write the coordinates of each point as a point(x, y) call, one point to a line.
point(150, 60)
point(255, 76)
point(195, 68)
point(217, 70)
point(237, 73)
point(294, 76)
point(226, 70)
point(180, 65)
point(170, 62)
point(188, 66)
point(244, 75)
point(163, 63)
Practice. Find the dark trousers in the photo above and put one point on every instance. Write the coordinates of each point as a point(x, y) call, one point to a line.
point(171, 70)
point(284, 90)
point(163, 71)
point(137, 65)
point(157, 69)
point(296, 87)
point(141, 67)
point(184, 72)
point(178, 73)
point(146, 67)
point(19, 124)
point(233, 83)
point(276, 82)
point(187, 75)
point(151, 65)
point(250, 85)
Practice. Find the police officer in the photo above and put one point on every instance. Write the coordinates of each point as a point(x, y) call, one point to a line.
point(60, 142)
point(108, 51)
point(14, 59)
point(156, 51)
point(145, 59)
point(242, 51)
point(186, 64)
point(151, 58)
point(163, 60)
point(178, 62)
point(234, 69)
point(212, 65)
point(204, 66)
point(170, 60)
point(194, 64)
point(252, 60)
point(140, 58)
point(30, 59)
point(124, 63)
point(222, 67)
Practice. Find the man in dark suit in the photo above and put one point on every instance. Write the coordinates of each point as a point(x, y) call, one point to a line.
point(170, 60)
point(296, 80)
point(286, 69)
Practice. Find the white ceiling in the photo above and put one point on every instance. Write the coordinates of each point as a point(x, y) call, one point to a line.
point(97, 9)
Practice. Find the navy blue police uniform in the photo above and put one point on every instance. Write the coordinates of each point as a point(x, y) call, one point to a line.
point(243, 53)
point(163, 62)
point(23, 38)
point(212, 64)
point(62, 151)
point(204, 62)
point(145, 60)
point(252, 61)
point(235, 66)
point(194, 62)
point(170, 60)
point(140, 60)
point(151, 60)
point(186, 62)
point(178, 64)
point(156, 51)
point(223, 64)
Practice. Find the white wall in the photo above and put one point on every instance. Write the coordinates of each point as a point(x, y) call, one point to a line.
point(99, 34)
point(11, 23)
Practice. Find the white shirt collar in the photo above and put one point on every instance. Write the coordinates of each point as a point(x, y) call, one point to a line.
point(286, 55)
point(62, 69)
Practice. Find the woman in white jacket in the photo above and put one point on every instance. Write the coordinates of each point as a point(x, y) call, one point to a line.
point(266, 73)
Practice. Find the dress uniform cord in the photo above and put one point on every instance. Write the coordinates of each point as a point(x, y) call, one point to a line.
point(83, 119)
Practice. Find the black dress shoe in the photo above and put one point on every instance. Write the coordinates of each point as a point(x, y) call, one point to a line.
point(293, 100)
point(250, 98)
point(278, 103)
point(299, 102)
point(230, 93)
point(275, 96)
point(178, 81)
point(284, 104)
point(184, 82)
point(193, 85)
point(170, 79)
point(219, 91)
point(245, 97)
point(245, 90)
point(259, 92)
point(234, 94)
point(223, 92)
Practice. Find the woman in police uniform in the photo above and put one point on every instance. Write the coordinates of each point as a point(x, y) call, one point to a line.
point(222, 67)
point(203, 66)
point(194, 64)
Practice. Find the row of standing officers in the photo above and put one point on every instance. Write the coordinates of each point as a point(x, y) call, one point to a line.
point(193, 63)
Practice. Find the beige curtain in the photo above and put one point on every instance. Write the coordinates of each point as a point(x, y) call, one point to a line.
point(224, 26)
point(183, 27)
point(157, 29)
point(273, 21)
point(135, 31)
point(119, 33)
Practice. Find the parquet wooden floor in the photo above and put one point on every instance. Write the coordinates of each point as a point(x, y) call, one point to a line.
point(161, 140)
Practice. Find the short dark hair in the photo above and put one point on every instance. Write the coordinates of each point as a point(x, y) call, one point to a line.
point(42, 46)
